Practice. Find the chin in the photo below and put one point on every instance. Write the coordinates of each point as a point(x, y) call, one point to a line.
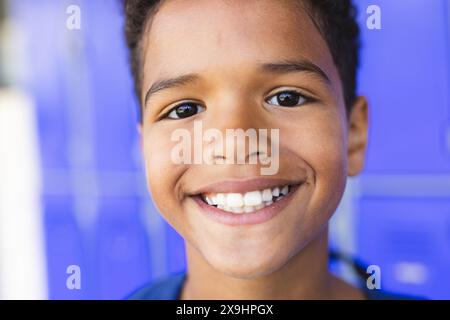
point(249, 263)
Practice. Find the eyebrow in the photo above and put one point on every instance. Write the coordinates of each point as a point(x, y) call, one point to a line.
point(285, 66)
point(288, 66)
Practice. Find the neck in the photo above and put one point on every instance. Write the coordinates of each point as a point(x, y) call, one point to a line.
point(305, 276)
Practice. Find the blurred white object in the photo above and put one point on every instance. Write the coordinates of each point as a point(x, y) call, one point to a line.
point(22, 249)
point(411, 273)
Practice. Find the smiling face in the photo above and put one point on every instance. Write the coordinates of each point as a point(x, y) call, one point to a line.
point(242, 65)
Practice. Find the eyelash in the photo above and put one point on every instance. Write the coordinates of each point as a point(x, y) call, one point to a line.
point(306, 99)
point(166, 115)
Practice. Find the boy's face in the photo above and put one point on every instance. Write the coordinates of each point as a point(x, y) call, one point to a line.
point(247, 58)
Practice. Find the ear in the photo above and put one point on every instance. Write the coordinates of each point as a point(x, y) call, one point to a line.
point(139, 130)
point(358, 124)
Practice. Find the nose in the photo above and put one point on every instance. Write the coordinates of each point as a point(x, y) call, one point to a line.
point(238, 132)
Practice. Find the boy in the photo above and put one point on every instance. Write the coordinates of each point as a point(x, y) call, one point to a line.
point(284, 66)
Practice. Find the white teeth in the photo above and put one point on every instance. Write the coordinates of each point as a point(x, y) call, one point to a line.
point(220, 199)
point(245, 203)
point(237, 210)
point(260, 206)
point(208, 201)
point(276, 192)
point(253, 198)
point(267, 195)
point(248, 209)
point(235, 200)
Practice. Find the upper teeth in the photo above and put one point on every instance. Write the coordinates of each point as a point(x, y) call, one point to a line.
point(247, 202)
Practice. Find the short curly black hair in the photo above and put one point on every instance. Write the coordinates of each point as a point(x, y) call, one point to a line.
point(335, 19)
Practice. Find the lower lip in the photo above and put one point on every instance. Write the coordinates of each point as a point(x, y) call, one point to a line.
point(256, 217)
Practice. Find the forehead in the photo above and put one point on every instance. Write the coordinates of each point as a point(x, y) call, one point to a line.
point(191, 36)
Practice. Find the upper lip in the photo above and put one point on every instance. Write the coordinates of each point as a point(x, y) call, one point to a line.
point(243, 185)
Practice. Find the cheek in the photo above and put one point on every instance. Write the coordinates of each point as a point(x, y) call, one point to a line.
point(156, 154)
point(321, 141)
point(331, 173)
point(161, 172)
point(326, 151)
point(320, 138)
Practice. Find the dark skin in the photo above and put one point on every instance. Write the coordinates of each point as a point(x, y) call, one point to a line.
point(225, 43)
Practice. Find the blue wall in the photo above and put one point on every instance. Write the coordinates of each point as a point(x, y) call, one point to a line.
point(404, 211)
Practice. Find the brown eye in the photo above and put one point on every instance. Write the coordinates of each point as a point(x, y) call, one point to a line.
point(287, 99)
point(185, 110)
